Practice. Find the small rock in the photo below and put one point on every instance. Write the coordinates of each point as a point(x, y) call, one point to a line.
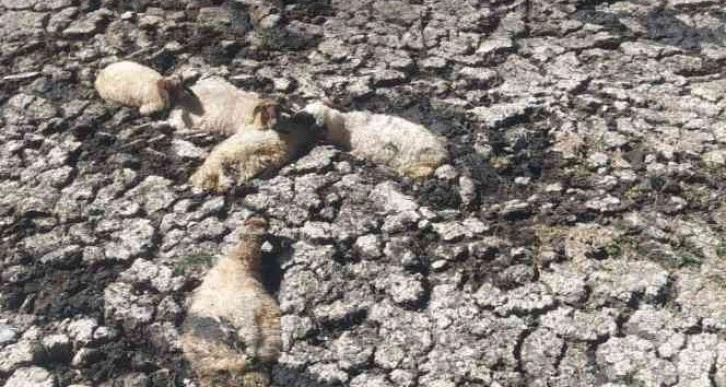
point(215, 17)
point(338, 311)
point(31, 377)
point(446, 172)
point(316, 231)
point(146, 272)
point(604, 204)
point(104, 334)
point(328, 373)
point(187, 150)
point(319, 159)
point(716, 158)
point(387, 196)
point(81, 330)
point(7, 334)
point(691, 4)
point(369, 246)
point(597, 160)
point(433, 63)
point(58, 347)
point(403, 289)
point(514, 208)
point(479, 76)
point(498, 115)
point(467, 190)
point(540, 352)
point(18, 354)
point(135, 238)
point(86, 356)
point(63, 257)
point(89, 24)
point(19, 4)
point(492, 47)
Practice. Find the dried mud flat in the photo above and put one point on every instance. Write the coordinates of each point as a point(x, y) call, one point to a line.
point(576, 239)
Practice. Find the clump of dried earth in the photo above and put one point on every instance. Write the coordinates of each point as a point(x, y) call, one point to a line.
point(576, 239)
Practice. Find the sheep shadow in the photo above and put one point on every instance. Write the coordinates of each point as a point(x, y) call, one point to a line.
point(661, 25)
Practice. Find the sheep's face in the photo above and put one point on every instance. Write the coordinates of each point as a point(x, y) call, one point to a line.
point(266, 114)
point(172, 89)
point(256, 225)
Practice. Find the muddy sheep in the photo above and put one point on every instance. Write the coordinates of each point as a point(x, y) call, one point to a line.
point(232, 328)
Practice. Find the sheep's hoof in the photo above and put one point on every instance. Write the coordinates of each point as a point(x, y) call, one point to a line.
point(146, 110)
point(256, 379)
point(205, 181)
point(418, 172)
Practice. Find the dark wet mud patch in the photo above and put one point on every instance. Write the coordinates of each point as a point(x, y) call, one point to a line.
point(665, 26)
point(55, 293)
point(145, 148)
point(521, 150)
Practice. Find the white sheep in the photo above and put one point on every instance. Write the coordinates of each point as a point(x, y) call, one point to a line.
point(410, 149)
point(252, 151)
point(232, 321)
point(249, 153)
point(216, 105)
point(132, 84)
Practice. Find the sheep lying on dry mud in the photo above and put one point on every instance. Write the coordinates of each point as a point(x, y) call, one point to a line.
point(218, 106)
point(252, 151)
point(132, 84)
point(232, 324)
point(409, 148)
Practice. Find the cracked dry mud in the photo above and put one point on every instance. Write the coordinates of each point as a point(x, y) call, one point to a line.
point(576, 239)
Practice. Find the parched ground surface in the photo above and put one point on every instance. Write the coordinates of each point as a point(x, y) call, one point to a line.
point(576, 239)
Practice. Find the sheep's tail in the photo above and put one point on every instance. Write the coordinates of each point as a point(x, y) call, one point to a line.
point(425, 165)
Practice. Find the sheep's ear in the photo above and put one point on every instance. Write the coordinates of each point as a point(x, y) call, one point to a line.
point(170, 85)
point(260, 110)
point(256, 221)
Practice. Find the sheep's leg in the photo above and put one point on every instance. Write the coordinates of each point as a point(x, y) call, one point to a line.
point(263, 159)
point(256, 379)
point(417, 171)
point(148, 108)
point(210, 175)
point(250, 335)
point(209, 360)
point(269, 325)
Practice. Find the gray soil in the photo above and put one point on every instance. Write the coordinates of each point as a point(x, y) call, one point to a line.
point(577, 237)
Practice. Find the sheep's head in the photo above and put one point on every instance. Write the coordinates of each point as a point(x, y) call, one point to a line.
point(266, 114)
point(255, 225)
point(172, 88)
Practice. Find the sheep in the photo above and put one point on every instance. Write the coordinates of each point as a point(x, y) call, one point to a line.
point(232, 327)
point(250, 152)
point(218, 106)
point(410, 149)
point(132, 84)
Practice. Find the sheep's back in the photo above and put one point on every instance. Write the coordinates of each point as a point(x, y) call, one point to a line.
point(222, 108)
point(127, 83)
point(391, 139)
point(227, 293)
